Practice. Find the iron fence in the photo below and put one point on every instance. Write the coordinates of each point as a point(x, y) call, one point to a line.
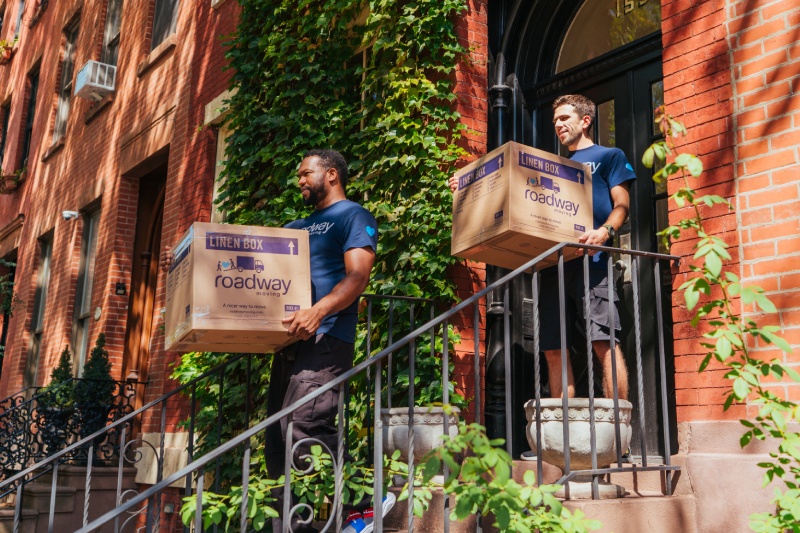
point(36, 423)
point(398, 330)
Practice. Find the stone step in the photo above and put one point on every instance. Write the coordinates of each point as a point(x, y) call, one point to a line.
point(633, 482)
point(632, 514)
point(641, 514)
point(27, 523)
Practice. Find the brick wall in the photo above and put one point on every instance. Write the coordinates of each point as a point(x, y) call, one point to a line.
point(697, 90)
point(764, 38)
point(728, 77)
point(472, 104)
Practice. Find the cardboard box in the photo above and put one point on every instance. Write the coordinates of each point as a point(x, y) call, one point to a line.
point(516, 202)
point(229, 287)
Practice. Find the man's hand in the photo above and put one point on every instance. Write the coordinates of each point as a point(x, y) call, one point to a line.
point(453, 183)
point(303, 324)
point(597, 237)
point(357, 266)
point(165, 259)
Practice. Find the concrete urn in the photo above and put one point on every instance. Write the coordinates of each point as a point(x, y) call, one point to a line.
point(580, 448)
point(428, 429)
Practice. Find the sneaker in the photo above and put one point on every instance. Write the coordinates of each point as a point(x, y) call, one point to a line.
point(530, 455)
point(388, 502)
point(354, 523)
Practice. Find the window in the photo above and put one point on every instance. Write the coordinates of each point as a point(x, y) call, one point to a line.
point(5, 113)
point(20, 11)
point(111, 33)
point(83, 296)
point(67, 68)
point(8, 270)
point(33, 80)
point(604, 25)
point(217, 213)
point(165, 20)
point(2, 17)
point(39, 300)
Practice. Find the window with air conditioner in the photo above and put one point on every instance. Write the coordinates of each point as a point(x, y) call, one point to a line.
point(99, 78)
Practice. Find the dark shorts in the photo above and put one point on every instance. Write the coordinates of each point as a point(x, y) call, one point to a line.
point(550, 310)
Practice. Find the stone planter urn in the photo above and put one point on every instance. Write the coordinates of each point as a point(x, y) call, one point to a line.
point(428, 430)
point(552, 445)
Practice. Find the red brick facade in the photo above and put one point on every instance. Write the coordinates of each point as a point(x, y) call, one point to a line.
point(730, 74)
point(157, 106)
point(472, 103)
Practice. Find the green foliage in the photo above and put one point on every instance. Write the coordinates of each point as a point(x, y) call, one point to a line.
point(710, 292)
point(94, 392)
point(315, 488)
point(59, 392)
point(428, 367)
point(482, 483)
point(223, 406)
point(8, 298)
point(308, 76)
point(6, 44)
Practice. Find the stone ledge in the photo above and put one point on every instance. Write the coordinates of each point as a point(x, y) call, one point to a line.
point(55, 147)
point(95, 110)
point(160, 51)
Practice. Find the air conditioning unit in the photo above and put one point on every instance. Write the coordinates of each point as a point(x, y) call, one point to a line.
point(95, 80)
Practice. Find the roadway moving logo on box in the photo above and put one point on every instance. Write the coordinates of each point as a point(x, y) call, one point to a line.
point(239, 282)
point(516, 202)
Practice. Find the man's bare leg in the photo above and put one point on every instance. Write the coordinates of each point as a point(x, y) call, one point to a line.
point(554, 373)
point(602, 349)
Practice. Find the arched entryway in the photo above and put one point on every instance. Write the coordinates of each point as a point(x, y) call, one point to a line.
point(610, 51)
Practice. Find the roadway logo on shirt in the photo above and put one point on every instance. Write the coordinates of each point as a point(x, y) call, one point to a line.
point(594, 166)
point(370, 231)
point(319, 228)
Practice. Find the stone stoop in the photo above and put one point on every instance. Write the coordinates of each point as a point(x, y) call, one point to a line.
point(27, 522)
point(70, 493)
point(641, 514)
point(644, 509)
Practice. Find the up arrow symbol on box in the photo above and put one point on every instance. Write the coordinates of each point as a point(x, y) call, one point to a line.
point(291, 248)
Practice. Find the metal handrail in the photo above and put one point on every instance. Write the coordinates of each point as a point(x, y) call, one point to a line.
point(18, 394)
point(126, 419)
point(243, 439)
point(114, 425)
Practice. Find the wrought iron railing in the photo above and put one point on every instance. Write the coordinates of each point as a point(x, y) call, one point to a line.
point(37, 422)
point(379, 350)
point(244, 370)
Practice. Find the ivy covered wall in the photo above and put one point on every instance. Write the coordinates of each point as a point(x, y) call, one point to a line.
point(374, 80)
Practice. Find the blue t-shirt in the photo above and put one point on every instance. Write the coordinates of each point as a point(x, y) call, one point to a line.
point(609, 168)
point(332, 231)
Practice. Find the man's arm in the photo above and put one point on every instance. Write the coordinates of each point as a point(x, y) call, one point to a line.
point(621, 200)
point(357, 266)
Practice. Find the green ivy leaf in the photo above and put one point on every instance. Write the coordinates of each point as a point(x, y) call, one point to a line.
point(740, 388)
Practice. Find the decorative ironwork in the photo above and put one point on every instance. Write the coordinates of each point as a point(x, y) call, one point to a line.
point(34, 427)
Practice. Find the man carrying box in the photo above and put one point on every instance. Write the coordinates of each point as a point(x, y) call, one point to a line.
point(611, 177)
point(343, 239)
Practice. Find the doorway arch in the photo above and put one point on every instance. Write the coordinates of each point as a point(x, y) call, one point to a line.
point(527, 39)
